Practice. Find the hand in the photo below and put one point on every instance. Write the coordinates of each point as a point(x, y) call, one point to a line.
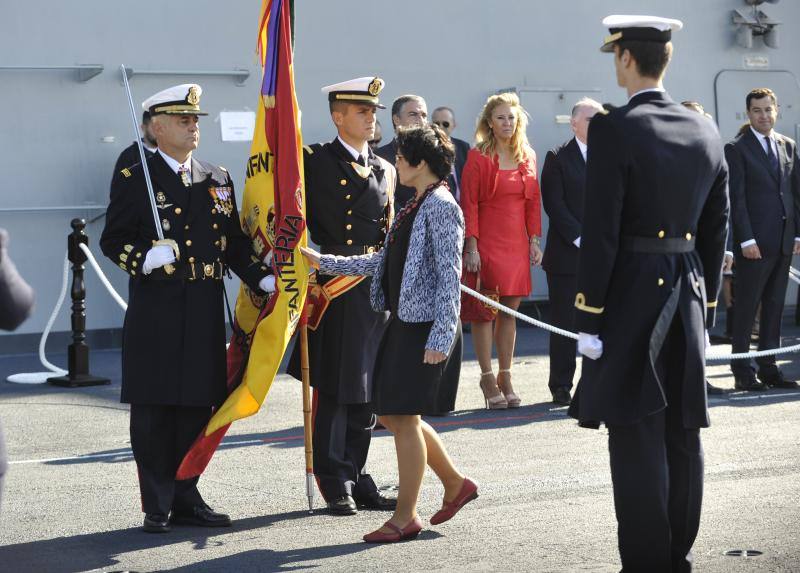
point(752, 252)
point(156, 257)
point(536, 253)
point(472, 261)
point(267, 284)
point(311, 256)
point(727, 262)
point(268, 258)
point(433, 356)
point(590, 345)
point(796, 247)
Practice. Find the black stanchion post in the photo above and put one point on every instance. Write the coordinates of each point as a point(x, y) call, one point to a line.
point(78, 351)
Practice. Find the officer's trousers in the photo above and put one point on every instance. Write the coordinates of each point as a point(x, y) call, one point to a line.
point(342, 434)
point(160, 438)
point(657, 473)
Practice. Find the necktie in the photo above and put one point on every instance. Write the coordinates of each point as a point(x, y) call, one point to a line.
point(361, 161)
point(184, 173)
point(771, 157)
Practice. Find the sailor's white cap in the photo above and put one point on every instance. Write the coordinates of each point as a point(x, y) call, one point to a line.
point(641, 28)
point(358, 90)
point(177, 100)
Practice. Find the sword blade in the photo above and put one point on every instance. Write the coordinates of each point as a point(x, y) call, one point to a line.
point(142, 156)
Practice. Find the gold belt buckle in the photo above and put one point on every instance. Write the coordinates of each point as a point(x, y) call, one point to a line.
point(208, 270)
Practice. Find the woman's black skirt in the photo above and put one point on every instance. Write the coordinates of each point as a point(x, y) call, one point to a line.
point(402, 383)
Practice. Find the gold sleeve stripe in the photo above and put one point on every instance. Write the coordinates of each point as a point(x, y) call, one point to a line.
point(126, 172)
point(711, 304)
point(580, 304)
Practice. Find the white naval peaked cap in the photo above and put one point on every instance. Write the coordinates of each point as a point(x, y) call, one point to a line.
point(636, 27)
point(358, 90)
point(183, 99)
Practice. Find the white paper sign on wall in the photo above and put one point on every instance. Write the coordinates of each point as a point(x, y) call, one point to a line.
point(237, 125)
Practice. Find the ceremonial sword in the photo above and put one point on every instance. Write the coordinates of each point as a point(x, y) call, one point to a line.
point(169, 269)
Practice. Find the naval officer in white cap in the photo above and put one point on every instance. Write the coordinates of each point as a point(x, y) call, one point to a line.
point(349, 192)
point(651, 252)
point(173, 348)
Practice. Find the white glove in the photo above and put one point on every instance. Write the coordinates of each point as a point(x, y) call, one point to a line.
point(268, 258)
point(708, 341)
point(267, 284)
point(156, 257)
point(590, 345)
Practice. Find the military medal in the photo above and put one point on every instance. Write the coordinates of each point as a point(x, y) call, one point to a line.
point(165, 225)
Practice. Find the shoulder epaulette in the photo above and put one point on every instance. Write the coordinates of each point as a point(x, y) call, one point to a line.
point(308, 149)
point(126, 172)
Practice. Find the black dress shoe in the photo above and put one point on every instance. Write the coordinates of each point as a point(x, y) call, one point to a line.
point(376, 500)
point(344, 505)
point(155, 523)
point(713, 390)
point(776, 380)
point(747, 382)
point(201, 515)
point(561, 396)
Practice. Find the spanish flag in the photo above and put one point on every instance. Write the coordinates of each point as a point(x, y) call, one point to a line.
point(273, 215)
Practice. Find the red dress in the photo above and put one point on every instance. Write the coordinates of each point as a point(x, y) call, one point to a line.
point(502, 210)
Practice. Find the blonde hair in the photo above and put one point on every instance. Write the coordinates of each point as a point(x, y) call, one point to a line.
point(484, 138)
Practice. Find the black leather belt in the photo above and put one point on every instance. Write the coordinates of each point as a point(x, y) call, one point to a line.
point(667, 245)
point(348, 250)
point(203, 271)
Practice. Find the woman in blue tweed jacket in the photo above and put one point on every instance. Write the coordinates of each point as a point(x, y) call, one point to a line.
point(416, 277)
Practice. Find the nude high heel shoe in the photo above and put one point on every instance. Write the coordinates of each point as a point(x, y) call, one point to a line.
point(512, 399)
point(495, 400)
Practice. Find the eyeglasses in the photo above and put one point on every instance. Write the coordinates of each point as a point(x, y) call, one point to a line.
point(398, 157)
point(444, 124)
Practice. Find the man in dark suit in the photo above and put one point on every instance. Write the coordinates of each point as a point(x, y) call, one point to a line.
point(563, 181)
point(765, 204)
point(445, 118)
point(407, 111)
point(174, 363)
point(130, 155)
point(348, 193)
point(653, 236)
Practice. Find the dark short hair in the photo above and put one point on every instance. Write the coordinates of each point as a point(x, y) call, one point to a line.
point(430, 143)
point(398, 104)
point(651, 57)
point(146, 117)
point(760, 93)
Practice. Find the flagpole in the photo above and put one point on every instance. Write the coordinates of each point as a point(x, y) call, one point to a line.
point(307, 432)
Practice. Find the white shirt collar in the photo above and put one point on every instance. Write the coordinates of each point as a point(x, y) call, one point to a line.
point(148, 148)
point(760, 137)
point(582, 146)
point(645, 91)
point(174, 165)
point(353, 151)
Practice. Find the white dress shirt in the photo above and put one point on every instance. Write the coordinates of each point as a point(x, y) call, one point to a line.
point(353, 151)
point(175, 166)
point(661, 89)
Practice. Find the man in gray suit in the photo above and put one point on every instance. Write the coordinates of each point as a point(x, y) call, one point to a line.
point(765, 213)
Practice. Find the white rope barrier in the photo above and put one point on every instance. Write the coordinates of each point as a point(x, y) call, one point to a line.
point(114, 294)
point(794, 274)
point(52, 370)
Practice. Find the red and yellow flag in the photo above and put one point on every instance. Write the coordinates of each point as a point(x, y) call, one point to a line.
point(273, 215)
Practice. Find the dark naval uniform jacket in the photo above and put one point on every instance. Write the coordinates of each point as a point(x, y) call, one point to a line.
point(403, 192)
point(173, 349)
point(128, 158)
point(563, 182)
point(347, 214)
point(654, 230)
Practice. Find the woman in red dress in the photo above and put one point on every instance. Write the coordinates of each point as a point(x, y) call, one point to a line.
point(500, 199)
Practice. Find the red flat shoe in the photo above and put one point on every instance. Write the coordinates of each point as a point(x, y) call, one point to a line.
point(410, 531)
point(469, 491)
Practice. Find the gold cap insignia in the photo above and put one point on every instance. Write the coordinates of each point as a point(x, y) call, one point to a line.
point(375, 86)
point(193, 98)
